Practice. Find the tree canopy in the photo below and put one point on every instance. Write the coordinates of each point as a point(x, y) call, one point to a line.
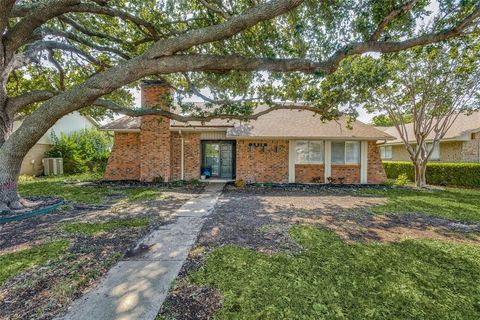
point(60, 44)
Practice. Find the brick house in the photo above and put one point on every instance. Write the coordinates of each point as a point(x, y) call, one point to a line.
point(460, 144)
point(283, 146)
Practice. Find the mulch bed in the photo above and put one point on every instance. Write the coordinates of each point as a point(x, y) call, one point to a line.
point(43, 292)
point(259, 218)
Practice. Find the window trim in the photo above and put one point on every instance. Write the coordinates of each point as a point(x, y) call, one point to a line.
point(345, 163)
point(322, 142)
point(437, 145)
point(384, 152)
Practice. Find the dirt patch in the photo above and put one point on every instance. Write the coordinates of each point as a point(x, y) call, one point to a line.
point(44, 291)
point(260, 219)
point(190, 302)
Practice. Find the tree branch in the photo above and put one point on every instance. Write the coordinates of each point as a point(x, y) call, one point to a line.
point(88, 32)
point(50, 44)
point(395, 46)
point(34, 18)
point(224, 30)
point(196, 118)
point(17, 103)
point(72, 36)
point(215, 9)
point(390, 17)
point(6, 7)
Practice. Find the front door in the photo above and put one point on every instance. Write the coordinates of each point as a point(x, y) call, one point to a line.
point(218, 158)
point(226, 160)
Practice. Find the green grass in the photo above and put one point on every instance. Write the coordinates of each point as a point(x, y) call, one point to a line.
point(451, 203)
point(63, 186)
point(332, 279)
point(140, 194)
point(15, 262)
point(91, 229)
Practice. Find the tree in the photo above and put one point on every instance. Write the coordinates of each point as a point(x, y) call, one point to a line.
point(57, 56)
point(426, 91)
point(383, 120)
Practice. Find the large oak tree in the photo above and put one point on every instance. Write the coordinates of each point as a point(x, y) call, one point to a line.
point(57, 56)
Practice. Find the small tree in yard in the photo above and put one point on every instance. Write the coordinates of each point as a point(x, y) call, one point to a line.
point(58, 56)
point(426, 91)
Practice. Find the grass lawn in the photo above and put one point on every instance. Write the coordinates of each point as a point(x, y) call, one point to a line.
point(91, 229)
point(48, 261)
point(451, 203)
point(67, 187)
point(14, 262)
point(333, 279)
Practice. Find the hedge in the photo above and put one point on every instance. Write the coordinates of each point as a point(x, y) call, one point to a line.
point(439, 173)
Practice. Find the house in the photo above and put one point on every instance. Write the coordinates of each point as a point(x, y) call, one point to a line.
point(32, 163)
point(283, 146)
point(460, 144)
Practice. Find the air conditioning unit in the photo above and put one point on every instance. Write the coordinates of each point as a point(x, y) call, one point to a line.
point(52, 166)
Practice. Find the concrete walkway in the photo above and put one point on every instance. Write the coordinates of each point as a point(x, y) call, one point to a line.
point(136, 287)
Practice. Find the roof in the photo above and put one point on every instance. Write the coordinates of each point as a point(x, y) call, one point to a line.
point(125, 123)
point(460, 130)
point(277, 124)
point(304, 124)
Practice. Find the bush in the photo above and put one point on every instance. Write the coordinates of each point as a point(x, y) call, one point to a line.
point(438, 173)
point(82, 151)
point(401, 180)
point(240, 183)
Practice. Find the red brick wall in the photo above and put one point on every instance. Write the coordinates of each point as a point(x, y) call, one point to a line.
point(305, 173)
point(192, 160)
point(259, 166)
point(375, 172)
point(124, 163)
point(350, 173)
point(155, 149)
point(155, 136)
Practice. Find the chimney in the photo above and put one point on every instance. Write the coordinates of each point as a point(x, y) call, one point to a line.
point(156, 93)
point(155, 136)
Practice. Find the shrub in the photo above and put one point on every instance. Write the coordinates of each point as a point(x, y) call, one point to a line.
point(82, 151)
point(317, 180)
point(401, 180)
point(438, 173)
point(240, 183)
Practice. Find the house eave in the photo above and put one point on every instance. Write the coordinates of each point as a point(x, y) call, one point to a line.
point(333, 138)
point(120, 130)
point(397, 143)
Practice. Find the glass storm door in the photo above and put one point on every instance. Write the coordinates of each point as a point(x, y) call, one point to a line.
point(226, 160)
point(218, 158)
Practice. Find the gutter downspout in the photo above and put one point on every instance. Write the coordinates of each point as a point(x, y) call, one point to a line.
point(182, 155)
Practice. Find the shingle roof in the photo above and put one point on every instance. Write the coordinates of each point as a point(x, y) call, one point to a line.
point(460, 129)
point(304, 124)
point(276, 124)
point(124, 123)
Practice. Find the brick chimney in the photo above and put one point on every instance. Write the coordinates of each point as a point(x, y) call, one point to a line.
point(155, 136)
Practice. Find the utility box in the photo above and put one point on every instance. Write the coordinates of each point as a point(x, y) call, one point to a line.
point(52, 166)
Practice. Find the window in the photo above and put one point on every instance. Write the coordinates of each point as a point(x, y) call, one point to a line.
point(436, 151)
point(346, 152)
point(386, 152)
point(309, 152)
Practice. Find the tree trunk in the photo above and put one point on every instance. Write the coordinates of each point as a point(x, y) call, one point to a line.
point(420, 174)
point(10, 165)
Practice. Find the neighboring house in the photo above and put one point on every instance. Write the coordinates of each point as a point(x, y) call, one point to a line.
point(282, 146)
point(460, 144)
point(32, 163)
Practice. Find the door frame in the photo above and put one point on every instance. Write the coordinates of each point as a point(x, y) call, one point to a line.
point(233, 143)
